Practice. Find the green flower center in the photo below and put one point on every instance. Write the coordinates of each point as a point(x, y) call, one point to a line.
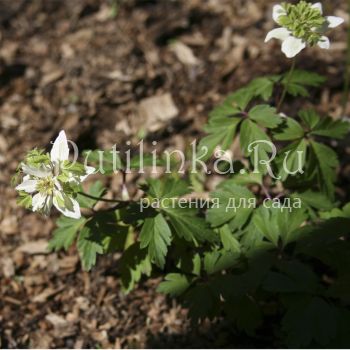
point(46, 185)
point(304, 21)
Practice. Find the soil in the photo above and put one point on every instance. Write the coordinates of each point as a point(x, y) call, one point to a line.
point(87, 67)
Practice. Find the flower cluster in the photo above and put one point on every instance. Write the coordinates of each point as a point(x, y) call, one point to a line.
point(51, 179)
point(302, 25)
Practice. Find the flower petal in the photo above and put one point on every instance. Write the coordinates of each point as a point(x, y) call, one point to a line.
point(60, 150)
point(334, 21)
point(318, 6)
point(38, 172)
point(38, 201)
point(277, 11)
point(89, 170)
point(28, 186)
point(66, 205)
point(292, 46)
point(278, 33)
point(324, 43)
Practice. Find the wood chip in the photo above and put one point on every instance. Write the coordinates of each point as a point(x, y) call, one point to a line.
point(157, 111)
point(36, 247)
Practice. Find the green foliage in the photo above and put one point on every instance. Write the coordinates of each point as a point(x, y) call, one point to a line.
point(247, 256)
point(65, 233)
point(156, 236)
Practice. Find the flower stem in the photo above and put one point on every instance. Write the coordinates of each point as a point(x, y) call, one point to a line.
point(101, 199)
point(347, 73)
point(284, 93)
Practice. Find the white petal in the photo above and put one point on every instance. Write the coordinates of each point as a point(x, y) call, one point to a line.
point(292, 46)
point(318, 6)
point(324, 43)
point(277, 11)
point(334, 21)
point(60, 150)
point(73, 212)
point(38, 201)
point(89, 170)
point(38, 172)
point(278, 33)
point(28, 186)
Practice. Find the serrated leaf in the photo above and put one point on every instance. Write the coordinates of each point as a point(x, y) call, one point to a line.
point(309, 319)
point(328, 127)
point(156, 236)
point(298, 82)
point(326, 162)
point(65, 233)
point(278, 224)
point(293, 277)
point(255, 142)
point(292, 159)
point(89, 244)
point(221, 133)
point(225, 194)
point(289, 130)
point(309, 117)
point(229, 242)
point(133, 264)
point(265, 116)
point(219, 260)
point(167, 188)
point(174, 284)
point(188, 225)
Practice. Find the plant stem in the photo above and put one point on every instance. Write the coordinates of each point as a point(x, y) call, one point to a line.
point(284, 93)
point(347, 72)
point(101, 199)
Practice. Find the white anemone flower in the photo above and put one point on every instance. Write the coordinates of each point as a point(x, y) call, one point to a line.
point(44, 185)
point(292, 45)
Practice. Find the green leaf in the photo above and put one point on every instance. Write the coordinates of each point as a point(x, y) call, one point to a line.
point(278, 223)
point(65, 233)
point(309, 319)
point(188, 225)
point(328, 127)
point(96, 190)
point(315, 200)
point(219, 260)
point(292, 159)
point(289, 130)
point(326, 163)
point(300, 80)
point(156, 236)
point(167, 188)
point(251, 136)
point(294, 277)
point(107, 162)
point(225, 194)
point(310, 118)
point(174, 285)
point(221, 133)
point(229, 242)
point(245, 313)
point(247, 179)
point(133, 264)
point(263, 87)
point(89, 245)
point(24, 199)
point(265, 116)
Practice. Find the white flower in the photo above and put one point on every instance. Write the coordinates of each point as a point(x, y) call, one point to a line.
point(292, 45)
point(44, 184)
